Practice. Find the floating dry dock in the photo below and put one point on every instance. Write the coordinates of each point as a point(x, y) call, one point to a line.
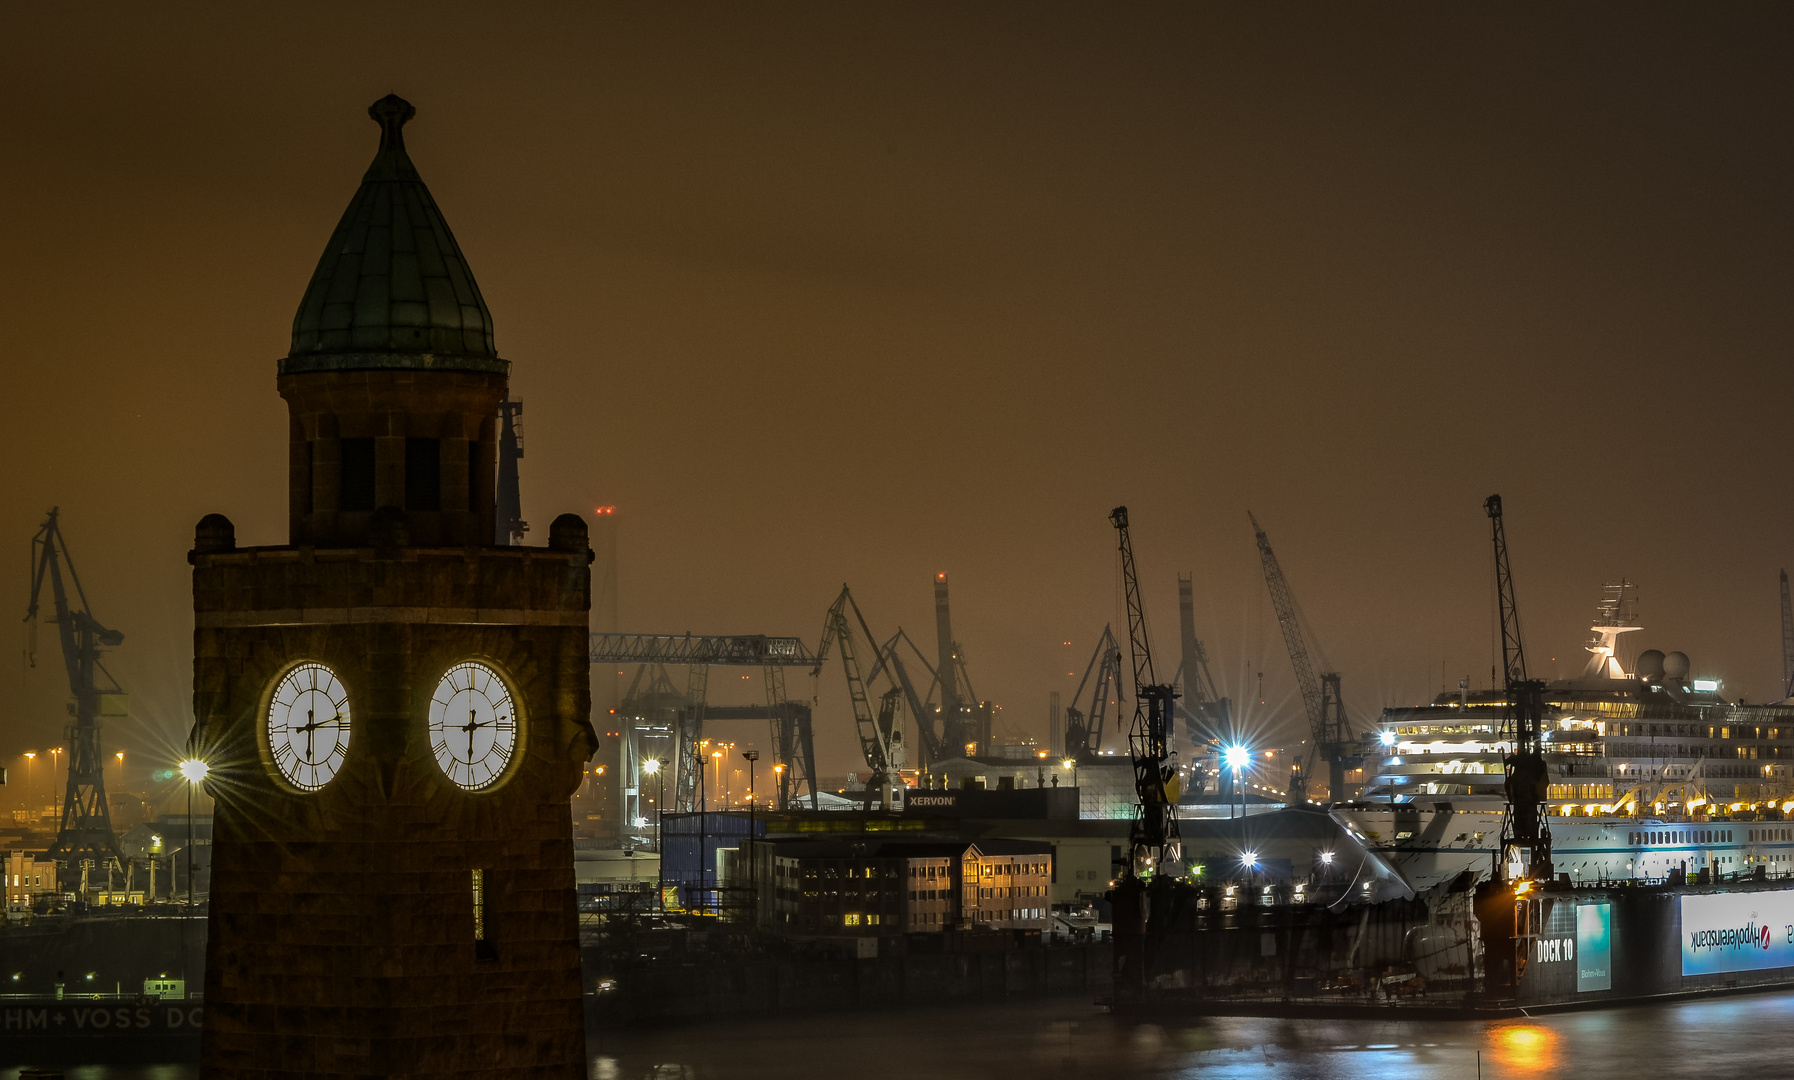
point(1462, 949)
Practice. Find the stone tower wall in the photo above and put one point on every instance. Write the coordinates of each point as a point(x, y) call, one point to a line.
point(341, 928)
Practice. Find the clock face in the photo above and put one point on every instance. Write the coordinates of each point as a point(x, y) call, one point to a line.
point(308, 726)
point(473, 725)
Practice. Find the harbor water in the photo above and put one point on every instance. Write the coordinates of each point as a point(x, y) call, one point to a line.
point(1067, 1038)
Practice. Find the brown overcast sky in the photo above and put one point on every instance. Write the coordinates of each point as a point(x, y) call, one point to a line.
point(858, 293)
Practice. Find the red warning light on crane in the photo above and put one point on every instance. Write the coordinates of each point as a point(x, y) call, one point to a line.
point(604, 511)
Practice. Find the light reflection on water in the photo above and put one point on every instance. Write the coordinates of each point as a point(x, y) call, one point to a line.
point(1069, 1039)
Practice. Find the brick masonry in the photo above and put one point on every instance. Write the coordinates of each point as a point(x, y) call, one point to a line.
point(341, 927)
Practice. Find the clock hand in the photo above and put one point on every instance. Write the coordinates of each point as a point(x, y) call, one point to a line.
point(469, 727)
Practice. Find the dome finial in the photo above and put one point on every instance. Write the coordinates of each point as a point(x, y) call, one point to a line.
point(391, 112)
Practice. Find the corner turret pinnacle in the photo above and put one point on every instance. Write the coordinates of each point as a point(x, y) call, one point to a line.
point(391, 112)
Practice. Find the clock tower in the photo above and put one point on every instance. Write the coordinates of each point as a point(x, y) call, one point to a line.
point(393, 709)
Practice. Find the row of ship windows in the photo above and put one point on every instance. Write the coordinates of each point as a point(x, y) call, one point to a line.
point(1681, 836)
point(1707, 731)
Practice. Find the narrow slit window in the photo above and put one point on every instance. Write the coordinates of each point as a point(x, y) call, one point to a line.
point(357, 489)
point(473, 476)
point(479, 905)
point(484, 946)
point(309, 467)
point(423, 474)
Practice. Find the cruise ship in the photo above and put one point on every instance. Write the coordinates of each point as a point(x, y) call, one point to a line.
point(1653, 773)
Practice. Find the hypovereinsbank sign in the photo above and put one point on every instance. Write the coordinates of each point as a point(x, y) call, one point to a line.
point(1737, 932)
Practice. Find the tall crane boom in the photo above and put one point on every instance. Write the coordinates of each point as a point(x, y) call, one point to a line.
point(1787, 641)
point(890, 663)
point(1084, 729)
point(881, 738)
point(954, 727)
point(1527, 823)
point(1321, 698)
point(85, 830)
point(1153, 839)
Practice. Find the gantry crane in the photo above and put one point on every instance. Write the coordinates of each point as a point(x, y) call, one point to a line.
point(794, 753)
point(1084, 729)
point(1527, 823)
point(85, 831)
point(1331, 731)
point(881, 736)
point(1153, 839)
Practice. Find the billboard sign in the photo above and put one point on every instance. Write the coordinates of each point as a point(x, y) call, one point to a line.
point(1594, 947)
point(1737, 932)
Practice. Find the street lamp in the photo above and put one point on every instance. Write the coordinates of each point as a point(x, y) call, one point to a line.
point(1237, 757)
point(779, 771)
point(30, 756)
point(195, 771)
point(752, 756)
point(653, 768)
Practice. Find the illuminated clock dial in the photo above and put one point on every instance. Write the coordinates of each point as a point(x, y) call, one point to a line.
point(473, 726)
point(308, 726)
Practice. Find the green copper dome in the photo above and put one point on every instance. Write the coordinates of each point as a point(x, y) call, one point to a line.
point(393, 289)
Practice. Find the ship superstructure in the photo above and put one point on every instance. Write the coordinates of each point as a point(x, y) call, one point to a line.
point(1651, 773)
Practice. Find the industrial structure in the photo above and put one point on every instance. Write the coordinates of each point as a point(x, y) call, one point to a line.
point(1083, 737)
point(1526, 831)
point(881, 735)
point(1152, 843)
point(660, 713)
point(1208, 716)
point(84, 835)
point(508, 525)
point(1330, 730)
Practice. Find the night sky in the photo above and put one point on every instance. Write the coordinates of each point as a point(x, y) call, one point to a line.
point(861, 293)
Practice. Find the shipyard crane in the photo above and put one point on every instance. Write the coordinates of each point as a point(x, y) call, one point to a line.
point(965, 720)
point(1527, 823)
point(1787, 641)
point(1153, 838)
point(889, 662)
point(1084, 729)
point(85, 831)
point(1207, 715)
point(792, 743)
point(1321, 700)
point(881, 736)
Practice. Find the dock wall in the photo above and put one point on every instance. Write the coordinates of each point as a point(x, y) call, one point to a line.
point(662, 990)
point(1587, 945)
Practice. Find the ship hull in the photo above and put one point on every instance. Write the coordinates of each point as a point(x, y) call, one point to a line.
point(1431, 844)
